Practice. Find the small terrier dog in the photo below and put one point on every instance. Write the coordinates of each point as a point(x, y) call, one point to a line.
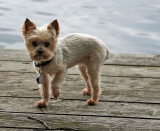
point(52, 57)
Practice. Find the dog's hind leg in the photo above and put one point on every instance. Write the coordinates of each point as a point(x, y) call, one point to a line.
point(94, 79)
point(93, 71)
point(83, 72)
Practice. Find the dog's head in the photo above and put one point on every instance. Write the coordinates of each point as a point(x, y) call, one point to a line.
point(40, 42)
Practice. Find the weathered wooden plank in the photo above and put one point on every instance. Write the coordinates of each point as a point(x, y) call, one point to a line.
point(134, 59)
point(113, 88)
point(114, 59)
point(126, 71)
point(14, 55)
point(15, 129)
point(17, 120)
point(76, 107)
point(5, 66)
point(107, 70)
point(66, 122)
point(129, 101)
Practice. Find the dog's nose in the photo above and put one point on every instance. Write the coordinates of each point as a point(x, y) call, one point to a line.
point(40, 51)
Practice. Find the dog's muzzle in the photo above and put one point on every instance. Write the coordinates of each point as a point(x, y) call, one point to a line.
point(40, 51)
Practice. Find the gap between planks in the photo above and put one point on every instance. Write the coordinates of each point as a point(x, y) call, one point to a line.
point(79, 75)
point(110, 101)
point(69, 114)
point(112, 64)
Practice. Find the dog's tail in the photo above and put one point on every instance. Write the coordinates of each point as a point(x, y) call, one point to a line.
point(107, 54)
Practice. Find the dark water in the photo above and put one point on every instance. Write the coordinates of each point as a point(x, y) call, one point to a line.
point(125, 26)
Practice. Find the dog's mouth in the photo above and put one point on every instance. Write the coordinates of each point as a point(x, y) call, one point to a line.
point(38, 57)
point(41, 57)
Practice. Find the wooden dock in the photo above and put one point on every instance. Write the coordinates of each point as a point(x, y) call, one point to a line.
point(130, 98)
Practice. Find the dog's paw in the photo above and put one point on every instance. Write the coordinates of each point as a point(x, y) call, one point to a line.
point(41, 104)
point(56, 94)
point(85, 92)
point(91, 102)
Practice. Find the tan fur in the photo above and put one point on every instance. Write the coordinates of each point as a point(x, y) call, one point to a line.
point(44, 92)
point(87, 52)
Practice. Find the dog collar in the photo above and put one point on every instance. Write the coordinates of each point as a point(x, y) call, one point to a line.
point(43, 63)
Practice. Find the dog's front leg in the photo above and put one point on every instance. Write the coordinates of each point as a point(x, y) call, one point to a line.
point(58, 79)
point(45, 93)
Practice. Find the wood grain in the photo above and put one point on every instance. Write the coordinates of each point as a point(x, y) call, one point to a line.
point(130, 98)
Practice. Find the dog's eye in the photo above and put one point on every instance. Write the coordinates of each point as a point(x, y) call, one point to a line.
point(34, 43)
point(46, 44)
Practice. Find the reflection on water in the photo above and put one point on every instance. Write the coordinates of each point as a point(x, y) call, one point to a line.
point(132, 27)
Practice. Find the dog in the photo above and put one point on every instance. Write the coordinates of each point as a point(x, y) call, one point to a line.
point(52, 56)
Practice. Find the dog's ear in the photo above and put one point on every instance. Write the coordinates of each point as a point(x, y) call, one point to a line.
point(54, 25)
point(28, 25)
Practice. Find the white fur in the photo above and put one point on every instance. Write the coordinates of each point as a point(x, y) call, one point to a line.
point(71, 49)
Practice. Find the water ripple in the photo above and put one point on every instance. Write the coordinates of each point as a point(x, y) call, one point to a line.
point(39, 1)
point(126, 26)
point(89, 6)
point(10, 38)
point(2, 46)
point(5, 8)
point(45, 13)
point(5, 29)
